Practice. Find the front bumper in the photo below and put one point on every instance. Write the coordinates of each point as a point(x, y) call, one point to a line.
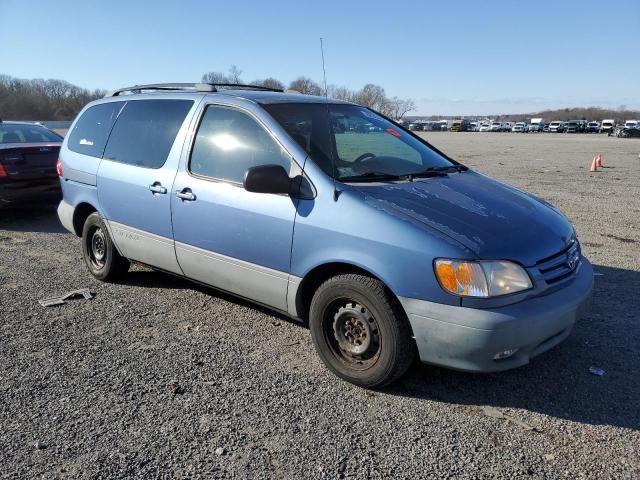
point(468, 338)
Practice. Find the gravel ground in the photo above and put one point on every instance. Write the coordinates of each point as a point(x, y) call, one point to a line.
point(157, 377)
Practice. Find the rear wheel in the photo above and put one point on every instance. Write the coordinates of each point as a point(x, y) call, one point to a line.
point(360, 331)
point(100, 254)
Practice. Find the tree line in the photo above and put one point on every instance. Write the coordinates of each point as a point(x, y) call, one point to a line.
point(373, 96)
point(42, 99)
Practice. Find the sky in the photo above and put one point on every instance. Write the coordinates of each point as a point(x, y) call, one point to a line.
point(451, 57)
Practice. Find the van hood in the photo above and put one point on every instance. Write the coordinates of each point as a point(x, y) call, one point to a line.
point(491, 219)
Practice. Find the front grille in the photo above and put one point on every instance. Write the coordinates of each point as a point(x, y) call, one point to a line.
point(561, 265)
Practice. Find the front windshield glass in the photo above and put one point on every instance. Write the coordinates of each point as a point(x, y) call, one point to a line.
point(350, 142)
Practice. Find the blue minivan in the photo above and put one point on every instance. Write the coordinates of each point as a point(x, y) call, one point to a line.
point(327, 212)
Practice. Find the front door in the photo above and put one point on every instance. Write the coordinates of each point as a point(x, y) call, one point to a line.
point(229, 238)
point(135, 177)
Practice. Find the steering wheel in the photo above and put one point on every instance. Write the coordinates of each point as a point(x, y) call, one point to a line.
point(363, 157)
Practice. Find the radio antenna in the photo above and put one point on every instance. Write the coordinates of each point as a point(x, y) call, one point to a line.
point(324, 72)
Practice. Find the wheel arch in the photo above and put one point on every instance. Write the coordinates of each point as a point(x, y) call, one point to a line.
point(318, 275)
point(80, 214)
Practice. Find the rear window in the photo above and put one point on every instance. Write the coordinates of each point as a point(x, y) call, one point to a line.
point(89, 134)
point(18, 133)
point(145, 131)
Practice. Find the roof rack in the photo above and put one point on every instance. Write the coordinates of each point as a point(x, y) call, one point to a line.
point(188, 87)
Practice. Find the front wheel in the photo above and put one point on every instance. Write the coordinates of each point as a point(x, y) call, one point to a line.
point(360, 331)
point(99, 252)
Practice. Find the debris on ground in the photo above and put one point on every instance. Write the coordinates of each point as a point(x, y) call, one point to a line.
point(219, 451)
point(177, 389)
point(495, 413)
point(60, 300)
point(597, 371)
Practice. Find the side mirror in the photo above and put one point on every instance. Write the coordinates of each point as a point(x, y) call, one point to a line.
point(267, 179)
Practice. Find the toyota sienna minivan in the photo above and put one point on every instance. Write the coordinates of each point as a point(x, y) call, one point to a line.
point(387, 248)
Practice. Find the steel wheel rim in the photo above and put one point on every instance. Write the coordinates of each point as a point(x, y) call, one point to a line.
point(352, 334)
point(97, 248)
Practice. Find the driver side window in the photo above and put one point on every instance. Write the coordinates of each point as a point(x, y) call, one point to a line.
point(229, 141)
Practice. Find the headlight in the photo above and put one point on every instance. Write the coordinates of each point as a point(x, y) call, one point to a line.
point(481, 279)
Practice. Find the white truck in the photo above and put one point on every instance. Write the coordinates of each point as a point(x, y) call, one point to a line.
point(537, 124)
point(607, 125)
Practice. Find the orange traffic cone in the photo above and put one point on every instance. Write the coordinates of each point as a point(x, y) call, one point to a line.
point(594, 164)
point(599, 163)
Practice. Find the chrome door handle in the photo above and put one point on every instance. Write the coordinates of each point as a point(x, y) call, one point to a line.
point(157, 188)
point(186, 194)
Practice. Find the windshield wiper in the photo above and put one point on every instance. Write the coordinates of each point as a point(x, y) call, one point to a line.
point(428, 172)
point(372, 176)
point(437, 171)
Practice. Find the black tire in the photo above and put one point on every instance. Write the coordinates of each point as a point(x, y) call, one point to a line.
point(360, 331)
point(99, 253)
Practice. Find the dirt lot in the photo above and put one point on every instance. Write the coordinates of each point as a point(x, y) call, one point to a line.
point(154, 375)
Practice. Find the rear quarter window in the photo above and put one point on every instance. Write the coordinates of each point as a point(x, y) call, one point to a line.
point(89, 134)
point(145, 131)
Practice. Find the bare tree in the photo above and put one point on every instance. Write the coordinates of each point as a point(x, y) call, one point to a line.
point(269, 83)
point(397, 108)
point(306, 86)
point(372, 96)
point(234, 74)
point(215, 77)
point(218, 77)
point(340, 93)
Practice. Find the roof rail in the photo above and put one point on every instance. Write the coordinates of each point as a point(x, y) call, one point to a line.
point(189, 87)
point(244, 86)
point(197, 87)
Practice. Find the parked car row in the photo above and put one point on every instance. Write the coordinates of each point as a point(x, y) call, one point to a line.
point(535, 125)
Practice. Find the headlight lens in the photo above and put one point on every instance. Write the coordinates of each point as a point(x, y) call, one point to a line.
point(481, 279)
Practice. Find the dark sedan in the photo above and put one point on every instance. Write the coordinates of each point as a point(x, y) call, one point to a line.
point(28, 156)
point(631, 132)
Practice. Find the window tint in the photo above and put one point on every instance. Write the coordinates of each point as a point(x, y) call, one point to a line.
point(90, 132)
point(145, 131)
point(229, 142)
point(24, 133)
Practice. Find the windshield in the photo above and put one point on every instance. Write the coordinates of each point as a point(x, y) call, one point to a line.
point(26, 133)
point(350, 142)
